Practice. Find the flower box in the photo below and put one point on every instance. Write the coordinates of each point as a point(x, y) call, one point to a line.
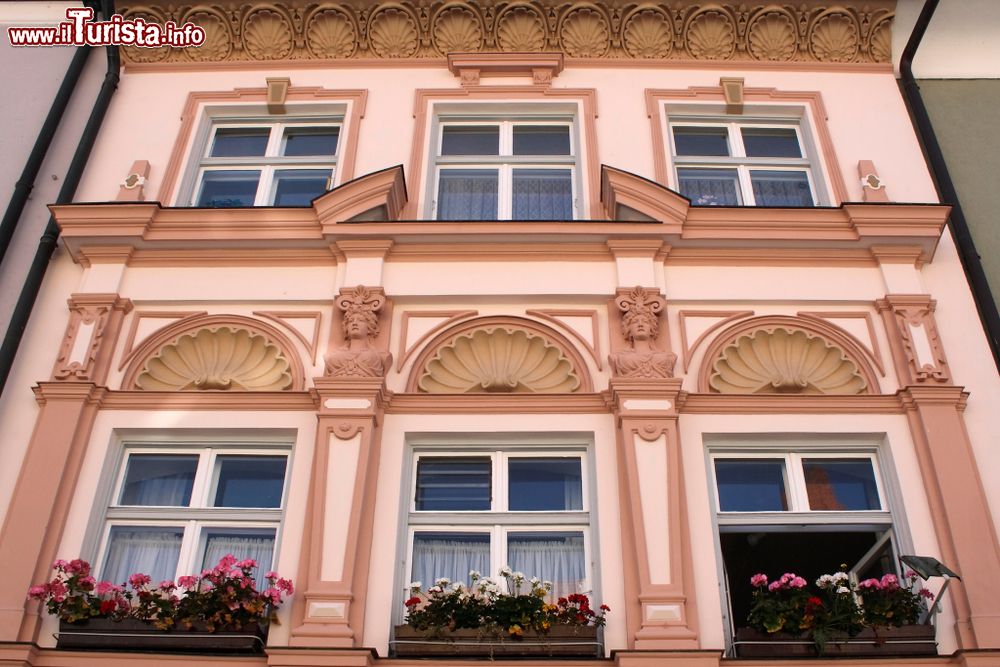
point(908, 640)
point(134, 635)
point(561, 641)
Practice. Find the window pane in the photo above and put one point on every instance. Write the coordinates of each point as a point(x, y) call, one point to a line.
point(450, 555)
point(240, 141)
point(841, 484)
point(228, 188)
point(257, 544)
point(150, 550)
point(298, 187)
point(467, 194)
point(311, 141)
point(555, 557)
point(770, 142)
point(701, 141)
point(543, 194)
point(781, 188)
point(158, 479)
point(545, 484)
point(454, 484)
point(541, 140)
point(249, 481)
point(710, 187)
point(470, 140)
point(751, 485)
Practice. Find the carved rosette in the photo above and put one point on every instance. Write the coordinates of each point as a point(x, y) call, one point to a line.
point(221, 359)
point(330, 33)
point(585, 34)
point(835, 38)
point(648, 34)
point(771, 36)
point(521, 29)
point(393, 34)
point(846, 31)
point(785, 361)
point(711, 35)
point(457, 29)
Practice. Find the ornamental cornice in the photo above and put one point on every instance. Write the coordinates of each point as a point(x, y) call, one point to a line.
point(806, 31)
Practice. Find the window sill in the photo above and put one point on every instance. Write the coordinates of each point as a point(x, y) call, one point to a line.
point(909, 640)
point(561, 641)
point(134, 635)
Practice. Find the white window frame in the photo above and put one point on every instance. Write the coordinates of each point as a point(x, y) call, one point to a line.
point(271, 162)
point(505, 162)
point(889, 520)
point(497, 522)
point(782, 118)
point(199, 516)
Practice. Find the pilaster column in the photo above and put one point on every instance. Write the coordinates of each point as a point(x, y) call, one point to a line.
point(934, 407)
point(655, 537)
point(68, 405)
point(340, 513)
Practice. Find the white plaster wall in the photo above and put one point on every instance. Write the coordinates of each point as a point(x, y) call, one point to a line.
point(86, 514)
point(960, 42)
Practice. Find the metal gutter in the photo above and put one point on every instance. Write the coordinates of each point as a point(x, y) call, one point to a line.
point(967, 253)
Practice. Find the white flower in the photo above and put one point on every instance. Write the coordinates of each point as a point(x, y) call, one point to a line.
point(841, 576)
point(547, 585)
point(843, 589)
point(442, 582)
point(458, 586)
point(474, 575)
point(518, 576)
point(415, 585)
point(505, 571)
point(435, 589)
point(825, 581)
point(535, 580)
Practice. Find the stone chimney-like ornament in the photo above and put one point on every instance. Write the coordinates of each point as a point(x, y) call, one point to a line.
point(359, 358)
point(641, 310)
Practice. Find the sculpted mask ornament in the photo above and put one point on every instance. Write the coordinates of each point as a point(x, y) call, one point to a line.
point(640, 326)
point(360, 327)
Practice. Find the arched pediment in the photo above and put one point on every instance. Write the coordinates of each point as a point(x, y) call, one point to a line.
point(785, 355)
point(492, 355)
point(216, 353)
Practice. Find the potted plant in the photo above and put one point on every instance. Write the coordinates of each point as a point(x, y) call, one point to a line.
point(835, 617)
point(452, 619)
point(218, 610)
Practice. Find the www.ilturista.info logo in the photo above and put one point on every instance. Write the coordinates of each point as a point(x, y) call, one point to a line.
point(82, 30)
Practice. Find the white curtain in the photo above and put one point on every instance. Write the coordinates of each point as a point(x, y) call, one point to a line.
point(559, 559)
point(543, 194)
point(258, 547)
point(449, 556)
point(706, 187)
point(467, 194)
point(146, 550)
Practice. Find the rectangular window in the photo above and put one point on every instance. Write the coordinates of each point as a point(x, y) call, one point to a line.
point(178, 511)
point(265, 162)
point(505, 170)
point(483, 510)
point(810, 511)
point(745, 163)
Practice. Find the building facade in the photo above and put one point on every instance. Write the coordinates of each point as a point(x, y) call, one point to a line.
point(643, 299)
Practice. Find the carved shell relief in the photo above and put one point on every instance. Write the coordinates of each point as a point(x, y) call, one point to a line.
point(840, 32)
point(785, 361)
point(501, 360)
point(222, 359)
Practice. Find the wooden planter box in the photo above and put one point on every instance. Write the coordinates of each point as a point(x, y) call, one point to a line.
point(562, 641)
point(134, 635)
point(907, 640)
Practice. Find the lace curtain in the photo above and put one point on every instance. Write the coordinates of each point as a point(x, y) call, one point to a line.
point(147, 550)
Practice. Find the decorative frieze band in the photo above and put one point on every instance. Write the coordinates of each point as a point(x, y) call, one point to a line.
point(811, 31)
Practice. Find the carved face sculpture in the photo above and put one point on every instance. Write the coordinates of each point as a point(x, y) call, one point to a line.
point(360, 324)
point(640, 325)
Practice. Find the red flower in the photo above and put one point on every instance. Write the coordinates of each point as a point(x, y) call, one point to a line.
point(108, 606)
point(605, 607)
point(412, 601)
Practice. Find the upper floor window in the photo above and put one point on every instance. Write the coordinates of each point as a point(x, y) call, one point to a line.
point(483, 509)
point(263, 162)
point(744, 163)
point(179, 510)
point(517, 169)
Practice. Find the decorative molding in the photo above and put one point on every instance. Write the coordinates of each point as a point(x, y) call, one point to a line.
point(211, 400)
point(280, 316)
point(727, 315)
point(871, 185)
point(784, 361)
point(873, 350)
point(131, 344)
point(374, 197)
point(193, 111)
point(471, 67)
point(820, 404)
point(499, 355)
point(640, 358)
point(294, 30)
point(914, 339)
point(732, 346)
point(131, 188)
point(88, 343)
point(360, 357)
point(441, 404)
point(553, 314)
point(450, 317)
point(268, 341)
